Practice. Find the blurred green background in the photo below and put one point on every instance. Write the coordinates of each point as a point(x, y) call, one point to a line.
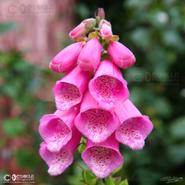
point(155, 31)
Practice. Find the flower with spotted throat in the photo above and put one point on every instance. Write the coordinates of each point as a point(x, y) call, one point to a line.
point(92, 102)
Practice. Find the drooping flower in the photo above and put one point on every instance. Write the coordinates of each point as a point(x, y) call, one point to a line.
point(103, 158)
point(89, 58)
point(121, 55)
point(134, 127)
point(66, 59)
point(59, 161)
point(69, 90)
point(56, 129)
point(94, 122)
point(81, 30)
point(108, 86)
point(105, 29)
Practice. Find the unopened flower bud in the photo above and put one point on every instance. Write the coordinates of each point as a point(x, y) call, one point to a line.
point(121, 55)
point(89, 23)
point(82, 29)
point(89, 58)
point(105, 29)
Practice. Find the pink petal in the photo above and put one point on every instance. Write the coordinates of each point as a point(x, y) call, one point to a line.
point(89, 58)
point(121, 55)
point(108, 86)
point(56, 129)
point(103, 158)
point(69, 90)
point(94, 122)
point(134, 127)
point(59, 161)
point(66, 59)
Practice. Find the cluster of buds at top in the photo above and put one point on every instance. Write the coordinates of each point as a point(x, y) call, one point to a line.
point(92, 101)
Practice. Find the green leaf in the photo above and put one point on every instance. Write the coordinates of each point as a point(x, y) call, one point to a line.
point(125, 182)
point(109, 181)
point(14, 127)
point(82, 145)
point(73, 180)
point(100, 183)
point(89, 178)
point(8, 26)
point(93, 181)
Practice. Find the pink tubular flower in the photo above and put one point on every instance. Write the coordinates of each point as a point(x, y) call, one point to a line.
point(59, 161)
point(89, 58)
point(82, 29)
point(103, 158)
point(134, 127)
point(56, 129)
point(66, 59)
point(69, 90)
point(108, 86)
point(96, 123)
point(121, 55)
point(105, 29)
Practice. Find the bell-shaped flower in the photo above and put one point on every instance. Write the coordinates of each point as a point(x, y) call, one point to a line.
point(56, 129)
point(94, 122)
point(121, 55)
point(89, 58)
point(103, 158)
point(108, 86)
point(82, 29)
point(134, 127)
point(59, 161)
point(69, 90)
point(66, 59)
